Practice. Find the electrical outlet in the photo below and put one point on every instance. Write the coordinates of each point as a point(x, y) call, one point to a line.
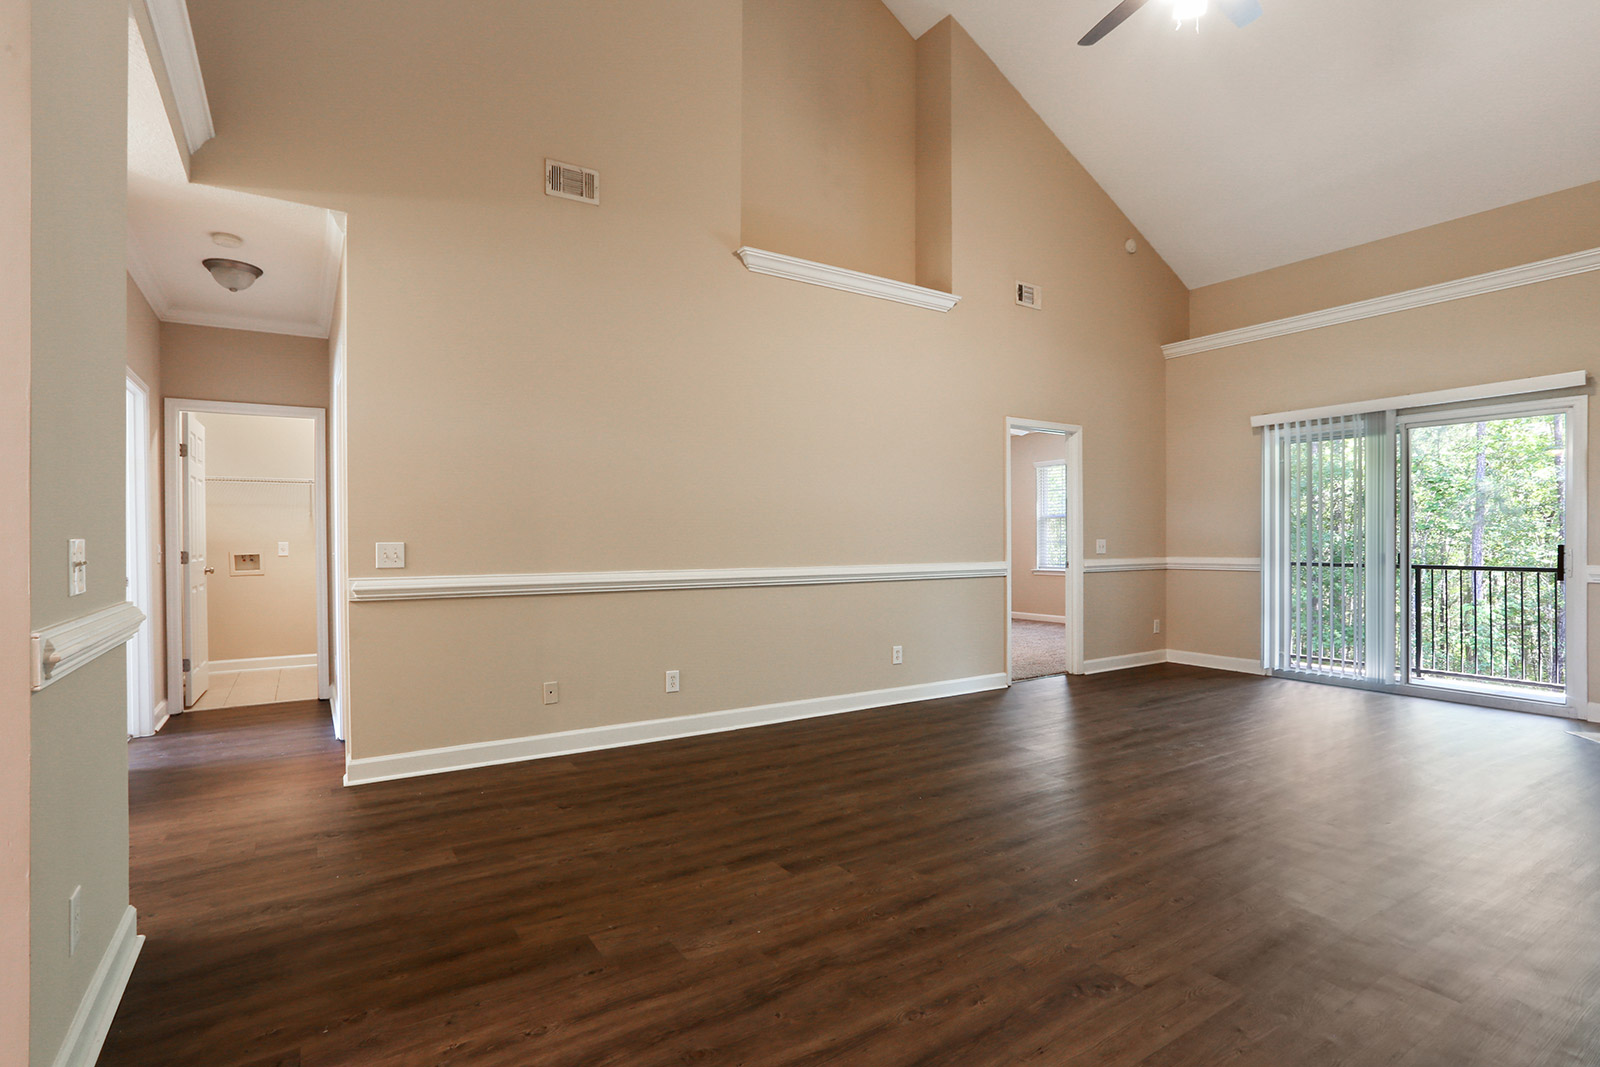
point(391, 554)
point(1158, 627)
point(897, 656)
point(74, 917)
point(1100, 546)
point(552, 692)
point(283, 548)
point(672, 681)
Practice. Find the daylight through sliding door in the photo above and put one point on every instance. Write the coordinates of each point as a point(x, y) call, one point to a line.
point(1323, 575)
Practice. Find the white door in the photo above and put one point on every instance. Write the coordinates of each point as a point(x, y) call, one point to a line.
point(196, 651)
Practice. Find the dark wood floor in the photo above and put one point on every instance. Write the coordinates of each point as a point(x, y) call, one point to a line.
point(1164, 867)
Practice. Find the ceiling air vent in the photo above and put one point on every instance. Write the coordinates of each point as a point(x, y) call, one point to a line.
point(1028, 295)
point(574, 183)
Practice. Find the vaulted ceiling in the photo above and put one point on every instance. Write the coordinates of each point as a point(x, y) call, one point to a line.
point(1322, 125)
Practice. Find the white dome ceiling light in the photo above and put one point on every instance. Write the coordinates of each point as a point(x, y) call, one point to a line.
point(232, 274)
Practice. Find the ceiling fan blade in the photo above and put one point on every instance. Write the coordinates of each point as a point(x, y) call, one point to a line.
point(1118, 15)
point(1241, 12)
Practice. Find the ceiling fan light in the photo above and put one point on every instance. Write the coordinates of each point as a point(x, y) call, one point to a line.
point(1184, 10)
point(232, 274)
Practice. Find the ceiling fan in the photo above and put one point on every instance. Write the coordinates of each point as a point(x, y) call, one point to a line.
point(1241, 12)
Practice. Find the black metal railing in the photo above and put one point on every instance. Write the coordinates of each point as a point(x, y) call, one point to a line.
point(1502, 625)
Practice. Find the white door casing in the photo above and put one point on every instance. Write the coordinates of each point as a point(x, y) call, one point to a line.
point(196, 647)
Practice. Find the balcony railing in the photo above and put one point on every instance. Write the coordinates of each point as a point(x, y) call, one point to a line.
point(1497, 625)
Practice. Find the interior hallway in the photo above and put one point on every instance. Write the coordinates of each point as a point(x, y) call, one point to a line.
point(1161, 866)
point(271, 685)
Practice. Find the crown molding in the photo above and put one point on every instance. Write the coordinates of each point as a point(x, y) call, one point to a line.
point(1528, 274)
point(139, 270)
point(61, 649)
point(256, 324)
point(328, 282)
point(851, 281)
point(445, 586)
point(175, 40)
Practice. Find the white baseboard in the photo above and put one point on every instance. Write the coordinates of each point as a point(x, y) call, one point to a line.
point(1029, 616)
point(92, 1021)
point(567, 742)
point(264, 663)
point(1172, 655)
point(1237, 664)
point(1122, 663)
point(160, 716)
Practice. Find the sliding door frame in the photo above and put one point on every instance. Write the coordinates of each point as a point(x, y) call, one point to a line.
point(1575, 701)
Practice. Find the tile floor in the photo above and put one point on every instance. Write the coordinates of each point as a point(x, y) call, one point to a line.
point(234, 689)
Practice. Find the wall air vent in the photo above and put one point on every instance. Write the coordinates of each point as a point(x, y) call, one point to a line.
point(574, 183)
point(1028, 296)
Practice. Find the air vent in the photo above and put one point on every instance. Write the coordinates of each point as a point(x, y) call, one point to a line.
point(574, 183)
point(1028, 296)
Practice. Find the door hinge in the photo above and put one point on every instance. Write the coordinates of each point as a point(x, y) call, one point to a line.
point(183, 450)
point(183, 556)
point(186, 666)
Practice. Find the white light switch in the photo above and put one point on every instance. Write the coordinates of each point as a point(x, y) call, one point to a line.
point(1100, 546)
point(391, 554)
point(283, 548)
point(77, 567)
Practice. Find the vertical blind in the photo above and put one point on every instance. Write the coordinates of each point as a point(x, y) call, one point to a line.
point(1050, 515)
point(1317, 541)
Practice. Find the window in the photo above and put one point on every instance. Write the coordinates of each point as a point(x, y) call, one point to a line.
point(1050, 514)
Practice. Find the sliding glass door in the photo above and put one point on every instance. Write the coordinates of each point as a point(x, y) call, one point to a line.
point(1485, 551)
point(1428, 550)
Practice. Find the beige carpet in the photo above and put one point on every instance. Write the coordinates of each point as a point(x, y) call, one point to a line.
point(1037, 649)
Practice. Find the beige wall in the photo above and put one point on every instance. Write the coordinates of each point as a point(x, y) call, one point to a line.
point(273, 613)
point(144, 359)
point(1037, 594)
point(15, 284)
point(79, 822)
point(508, 414)
point(1214, 458)
point(1532, 230)
point(244, 366)
point(829, 158)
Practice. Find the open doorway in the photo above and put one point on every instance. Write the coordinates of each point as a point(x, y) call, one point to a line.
point(140, 587)
point(1044, 542)
point(247, 552)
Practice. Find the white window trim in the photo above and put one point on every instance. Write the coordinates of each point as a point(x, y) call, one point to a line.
point(1039, 566)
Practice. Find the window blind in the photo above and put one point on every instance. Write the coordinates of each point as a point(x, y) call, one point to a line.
point(1050, 515)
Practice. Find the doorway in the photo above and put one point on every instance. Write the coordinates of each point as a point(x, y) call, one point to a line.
point(247, 552)
point(1484, 552)
point(137, 546)
point(1044, 543)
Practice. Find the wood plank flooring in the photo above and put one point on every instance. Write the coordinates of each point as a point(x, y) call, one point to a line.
point(1166, 867)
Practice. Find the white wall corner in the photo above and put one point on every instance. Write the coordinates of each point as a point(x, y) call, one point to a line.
point(145, 278)
point(92, 1021)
